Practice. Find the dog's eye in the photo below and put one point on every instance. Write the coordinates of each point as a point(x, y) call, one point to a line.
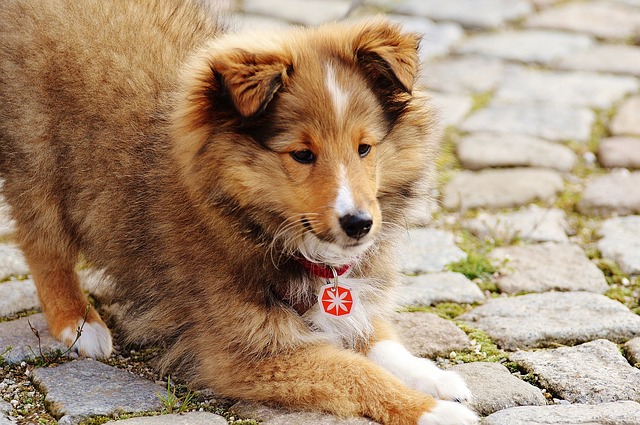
point(303, 156)
point(363, 150)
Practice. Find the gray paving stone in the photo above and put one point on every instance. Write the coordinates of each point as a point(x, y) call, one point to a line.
point(307, 12)
point(601, 19)
point(500, 188)
point(438, 38)
point(617, 413)
point(271, 416)
point(621, 242)
point(428, 250)
point(471, 13)
point(190, 418)
point(12, 261)
point(614, 193)
point(434, 288)
point(5, 408)
point(248, 22)
point(576, 88)
point(83, 388)
point(452, 108)
point(18, 342)
point(495, 388)
point(7, 225)
point(547, 267)
point(626, 120)
point(613, 58)
point(529, 46)
point(632, 348)
point(590, 373)
point(545, 120)
point(483, 150)
point(428, 335)
point(620, 152)
point(463, 74)
point(550, 318)
point(17, 296)
point(530, 224)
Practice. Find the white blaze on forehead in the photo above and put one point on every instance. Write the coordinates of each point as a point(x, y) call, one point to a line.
point(339, 96)
point(344, 200)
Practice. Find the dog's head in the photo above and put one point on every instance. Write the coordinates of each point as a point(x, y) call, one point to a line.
point(315, 136)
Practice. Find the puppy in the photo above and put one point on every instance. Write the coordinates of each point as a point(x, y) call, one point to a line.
point(244, 193)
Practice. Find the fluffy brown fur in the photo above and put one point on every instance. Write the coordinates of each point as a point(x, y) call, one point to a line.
point(141, 136)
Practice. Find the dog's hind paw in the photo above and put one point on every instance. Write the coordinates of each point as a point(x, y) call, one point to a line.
point(449, 413)
point(94, 340)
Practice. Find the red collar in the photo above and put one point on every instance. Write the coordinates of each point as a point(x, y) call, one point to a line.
point(320, 270)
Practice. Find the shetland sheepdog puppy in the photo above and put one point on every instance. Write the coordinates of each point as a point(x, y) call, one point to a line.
point(244, 194)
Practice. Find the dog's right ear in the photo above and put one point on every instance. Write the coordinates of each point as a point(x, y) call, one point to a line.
point(250, 80)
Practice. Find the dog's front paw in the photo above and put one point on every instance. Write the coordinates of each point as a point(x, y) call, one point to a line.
point(449, 413)
point(94, 340)
point(420, 374)
point(444, 385)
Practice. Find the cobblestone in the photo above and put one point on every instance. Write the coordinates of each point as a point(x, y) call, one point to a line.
point(471, 13)
point(577, 88)
point(611, 193)
point(529, 224)
point(191, 418)
point(526, 46)
point(626, 120)
point(494, 388)
point(308, 12)
point(434, 288)
point(485, 150)
point(621, 152)
point(548, 121)
point(500, 188)
point(17, 296)
point(550, 318)
point(599, 18)
point(547, 267)
point(429, 250)
point(618, 413)
point(591, 373)
point(84, 388)
point(19, 343)
point(428, 335)
point(612, 58)
point(271, 416)
point(12, 261)
point(621, 242)
point(463, 74)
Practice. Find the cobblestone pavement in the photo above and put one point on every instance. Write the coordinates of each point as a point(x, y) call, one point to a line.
point(525, 281)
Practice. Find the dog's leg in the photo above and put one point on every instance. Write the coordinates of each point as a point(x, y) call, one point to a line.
point(52, 256)
point(418, 373)
point(324, 377)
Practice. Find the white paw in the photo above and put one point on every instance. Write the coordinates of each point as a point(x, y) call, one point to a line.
point(444, 385)
point(449, 413)
point(420, 374)
point(95, 340)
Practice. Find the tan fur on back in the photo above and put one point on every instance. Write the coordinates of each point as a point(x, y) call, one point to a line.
point(144, 137)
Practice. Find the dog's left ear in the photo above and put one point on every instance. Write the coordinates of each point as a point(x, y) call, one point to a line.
point(388, 54)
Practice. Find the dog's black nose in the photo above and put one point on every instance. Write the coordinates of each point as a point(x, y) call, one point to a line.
point(356, 225)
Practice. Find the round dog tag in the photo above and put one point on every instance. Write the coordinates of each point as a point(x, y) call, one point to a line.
point(336, 300)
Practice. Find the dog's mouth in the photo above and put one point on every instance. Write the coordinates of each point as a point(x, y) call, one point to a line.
point(327, 248)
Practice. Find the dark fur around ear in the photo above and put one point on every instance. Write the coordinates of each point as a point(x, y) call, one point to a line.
point(387, 54)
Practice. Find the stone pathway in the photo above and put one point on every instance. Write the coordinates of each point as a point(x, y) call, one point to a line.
point(526, 281)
